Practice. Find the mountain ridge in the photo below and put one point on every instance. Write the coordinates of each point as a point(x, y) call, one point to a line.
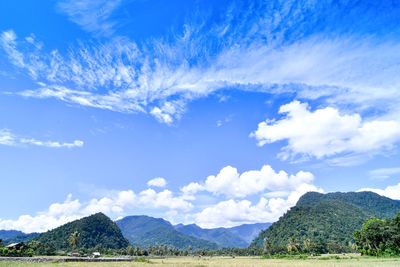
point(331, 217)
point(143, 231)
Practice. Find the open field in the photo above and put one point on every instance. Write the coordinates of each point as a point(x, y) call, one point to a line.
point(355, 261)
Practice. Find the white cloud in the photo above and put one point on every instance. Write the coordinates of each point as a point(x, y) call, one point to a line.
point(91, 15)
point(392, 191)
point(383, 173)
point(164, 199)
point(114, 203)
point(10, 139)
point(158, 77)
point(157, 182)
point(232, 184)
point(56, 215)
point(235, 212)
point(326, 132)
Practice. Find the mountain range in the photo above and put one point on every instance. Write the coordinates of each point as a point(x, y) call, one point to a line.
point(328, 218)
point(143, 231)
point(239, 236)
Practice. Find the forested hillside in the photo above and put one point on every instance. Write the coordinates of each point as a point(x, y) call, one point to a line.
point(94, 230)
point(327, 218)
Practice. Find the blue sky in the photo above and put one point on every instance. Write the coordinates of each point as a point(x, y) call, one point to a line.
point(213, 112)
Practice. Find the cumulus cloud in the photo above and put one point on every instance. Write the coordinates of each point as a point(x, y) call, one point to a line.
point(235, 212)
point(10, 139)
point(325, 132)
point(115, 203)
point(164, 199)
point(232, 184)
point(56, 215)
point(157, 182)
point(392, 191)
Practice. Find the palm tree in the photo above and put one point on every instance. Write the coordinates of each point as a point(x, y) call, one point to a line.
point(267, 246)
point(292, 245)
point(307, 244)
point(74, 239)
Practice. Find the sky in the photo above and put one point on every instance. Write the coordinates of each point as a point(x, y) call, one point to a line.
point(217, 113)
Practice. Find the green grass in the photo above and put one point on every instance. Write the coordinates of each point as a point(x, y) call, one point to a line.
point(324, 260)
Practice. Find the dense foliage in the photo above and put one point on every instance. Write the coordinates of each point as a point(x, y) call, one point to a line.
point(372, 204)
point(93, 230)
point(379, 237)
point(325, 222)
point(22, 252)
point(143, 231)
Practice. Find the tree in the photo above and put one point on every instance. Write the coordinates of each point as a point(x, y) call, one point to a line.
point(74, 239)
point(129, 250)
point(379, 237)
point(292, 245)
point(137, 251)
point(267, 246)
point(307, 244)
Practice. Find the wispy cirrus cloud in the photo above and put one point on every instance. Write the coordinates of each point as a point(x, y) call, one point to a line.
point(91, 15)
point(383, 173)
point(10, 139)
point(257, 47)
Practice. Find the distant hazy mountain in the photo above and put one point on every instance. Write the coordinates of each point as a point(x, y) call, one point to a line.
point(328, 218)
point(21, 238)
point(7, 234)
point(221, 236)
point(143, 231)
point(249, 231)
point(94, 230)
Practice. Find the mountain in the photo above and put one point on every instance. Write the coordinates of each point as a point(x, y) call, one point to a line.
point(328, 218)
point(222, 236)
point(21, 238)
point(143, 231)
point(94, 230)
point(249, 231)
point(7, 234)
point(371, 203)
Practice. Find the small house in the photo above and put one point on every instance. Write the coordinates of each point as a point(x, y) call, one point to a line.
point(16, 245)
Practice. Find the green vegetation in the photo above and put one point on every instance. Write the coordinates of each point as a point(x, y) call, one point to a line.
point(18, 251)
point(94, 230)
point(379, 237)
point(372, 204)
point(144, 231)
point(324, 222)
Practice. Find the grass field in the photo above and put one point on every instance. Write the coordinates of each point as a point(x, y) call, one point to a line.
point(355, 261)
